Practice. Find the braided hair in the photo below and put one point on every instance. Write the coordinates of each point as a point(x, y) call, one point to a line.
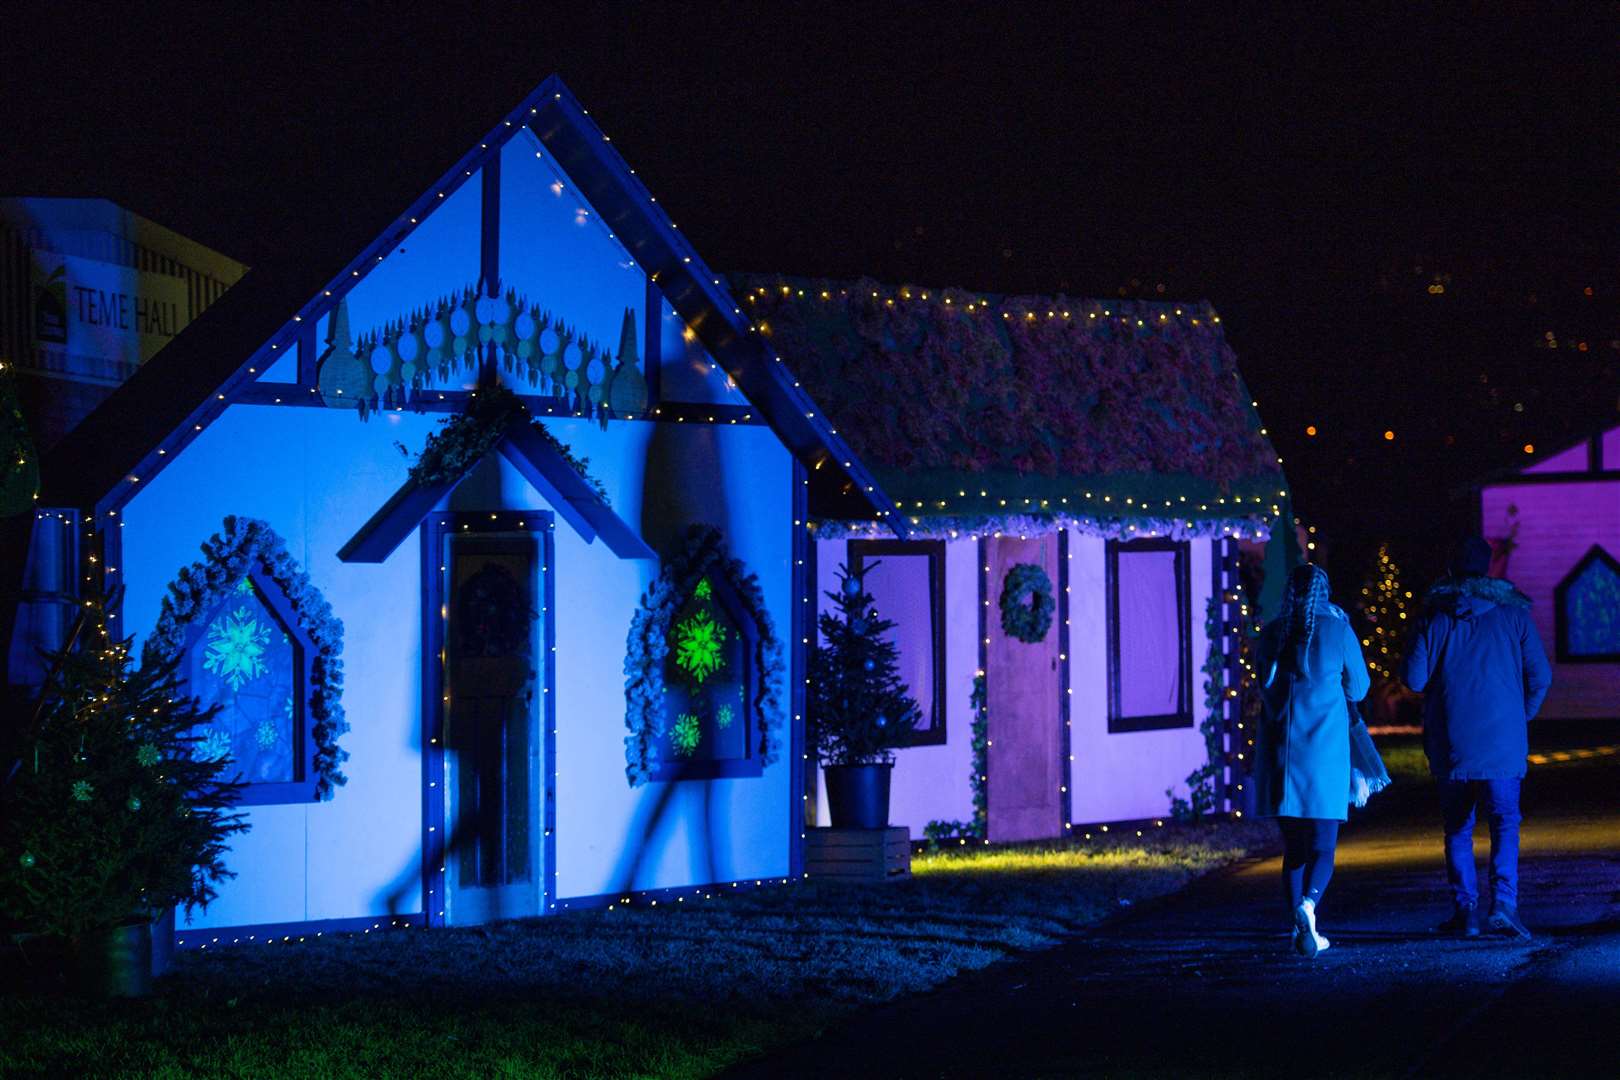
point(1305, 600)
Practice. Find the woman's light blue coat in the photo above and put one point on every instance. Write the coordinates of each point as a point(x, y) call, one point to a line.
point(1302, 752)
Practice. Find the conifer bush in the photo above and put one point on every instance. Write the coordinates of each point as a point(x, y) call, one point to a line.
point(105, 814)
point(860, 707)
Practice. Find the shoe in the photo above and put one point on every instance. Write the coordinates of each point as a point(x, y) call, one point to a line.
point(1307, 942)
point(1464, 922)
point(1504, 921)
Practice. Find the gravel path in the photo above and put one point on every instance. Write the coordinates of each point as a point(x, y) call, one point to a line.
point(1203, 984)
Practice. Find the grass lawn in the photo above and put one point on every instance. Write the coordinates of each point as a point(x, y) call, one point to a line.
point(677, 990)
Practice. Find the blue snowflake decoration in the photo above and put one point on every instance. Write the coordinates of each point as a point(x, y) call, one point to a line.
point(236, 647)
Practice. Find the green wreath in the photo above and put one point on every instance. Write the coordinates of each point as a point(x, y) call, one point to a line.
point(1026, 603)
point(702, 553)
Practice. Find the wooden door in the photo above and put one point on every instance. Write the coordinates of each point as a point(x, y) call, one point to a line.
point(1023, 689)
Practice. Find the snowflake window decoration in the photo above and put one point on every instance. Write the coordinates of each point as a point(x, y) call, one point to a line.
point(254, 638)
point(702, 689)
point(687, 735)
point(699, 641)
point(236, 647)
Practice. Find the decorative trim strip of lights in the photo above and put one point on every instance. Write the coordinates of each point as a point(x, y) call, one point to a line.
point(1026, 526)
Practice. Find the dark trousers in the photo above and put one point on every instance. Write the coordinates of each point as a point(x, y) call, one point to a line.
point(1308, 845)
point(1459, 802)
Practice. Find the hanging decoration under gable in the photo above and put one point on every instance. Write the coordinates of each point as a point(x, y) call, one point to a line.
point(392, 366)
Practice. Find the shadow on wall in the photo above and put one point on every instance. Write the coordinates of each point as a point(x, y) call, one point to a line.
point(685, 483)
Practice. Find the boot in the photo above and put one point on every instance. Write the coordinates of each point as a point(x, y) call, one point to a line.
point(1464, 922)
point(1504, 921)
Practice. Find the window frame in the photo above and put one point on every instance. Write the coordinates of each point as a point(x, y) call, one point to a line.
point(748, 764)
point(935, 732)
point(303, 788)
point(1596, 554)
point(1119, 724)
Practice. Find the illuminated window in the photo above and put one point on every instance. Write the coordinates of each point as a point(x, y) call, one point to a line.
point(248, 657)
point(907, 581)
point(709, 686)
point(1149, 650)
point(1587, 610)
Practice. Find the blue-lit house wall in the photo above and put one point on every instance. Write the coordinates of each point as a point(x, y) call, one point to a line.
point(269, 440)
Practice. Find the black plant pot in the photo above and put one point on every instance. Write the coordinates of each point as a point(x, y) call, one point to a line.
point(116, 962)
point(162, 942)
point(858, 795)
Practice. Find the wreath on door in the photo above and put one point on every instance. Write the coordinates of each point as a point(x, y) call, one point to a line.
point(1026, 603)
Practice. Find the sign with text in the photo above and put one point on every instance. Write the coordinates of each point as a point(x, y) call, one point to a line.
point(98, 310)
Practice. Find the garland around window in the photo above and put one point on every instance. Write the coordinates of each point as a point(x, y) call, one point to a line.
point(228, 556)
point(702, 555)
point(1026, 603)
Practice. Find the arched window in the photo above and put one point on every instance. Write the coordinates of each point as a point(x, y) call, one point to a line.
point(708, 676)
point(1587, 610)
point(253, 638)
point(247, 656)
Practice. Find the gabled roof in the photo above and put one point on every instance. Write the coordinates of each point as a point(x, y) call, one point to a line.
point(541, 464)
point(975, 406)
point(1595, 456)
point(182, 388)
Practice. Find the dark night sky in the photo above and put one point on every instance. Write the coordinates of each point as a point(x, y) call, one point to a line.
point(1313, 176)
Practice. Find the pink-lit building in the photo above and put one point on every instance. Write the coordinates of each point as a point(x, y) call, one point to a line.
point(1555, 526)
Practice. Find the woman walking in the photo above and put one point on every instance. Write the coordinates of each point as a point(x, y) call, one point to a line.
point(1310, 662)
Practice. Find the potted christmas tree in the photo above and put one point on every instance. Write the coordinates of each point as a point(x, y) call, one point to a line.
point(860, 709)
point(107, 820)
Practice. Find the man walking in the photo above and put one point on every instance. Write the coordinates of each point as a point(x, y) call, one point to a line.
point(1477, 659)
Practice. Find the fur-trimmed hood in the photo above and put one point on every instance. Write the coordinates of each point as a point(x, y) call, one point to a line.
point(1467, 597)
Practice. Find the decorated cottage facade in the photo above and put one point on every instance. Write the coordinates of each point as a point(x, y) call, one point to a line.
point(1077, 477)
point(1555, 530)
point(483, 517)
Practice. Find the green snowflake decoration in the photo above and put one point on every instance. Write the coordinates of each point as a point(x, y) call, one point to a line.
point(687, 734)
point(147, 754)
point(704, 590)
point(82, 790)
point(235, 647)
point(698, 644)
point(723, 716)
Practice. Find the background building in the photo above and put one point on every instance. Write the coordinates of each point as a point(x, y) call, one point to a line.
point(88, 292)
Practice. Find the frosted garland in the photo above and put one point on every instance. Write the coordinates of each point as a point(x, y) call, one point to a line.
point(1026, 526)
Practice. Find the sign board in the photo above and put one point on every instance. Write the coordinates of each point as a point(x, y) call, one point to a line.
point(116, 314)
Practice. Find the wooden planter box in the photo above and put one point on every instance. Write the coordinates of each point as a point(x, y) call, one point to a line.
point(858, 855)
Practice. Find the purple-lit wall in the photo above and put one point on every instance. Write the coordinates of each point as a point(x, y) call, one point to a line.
point(1556, 525)
point(1123, 775)
point(930, 783)
point(1111, 777)
point(1575, 459)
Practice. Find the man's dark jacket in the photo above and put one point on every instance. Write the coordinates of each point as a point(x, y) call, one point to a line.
point(1478, 661)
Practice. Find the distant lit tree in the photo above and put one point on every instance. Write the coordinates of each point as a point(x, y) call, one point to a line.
point(1382, 604)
